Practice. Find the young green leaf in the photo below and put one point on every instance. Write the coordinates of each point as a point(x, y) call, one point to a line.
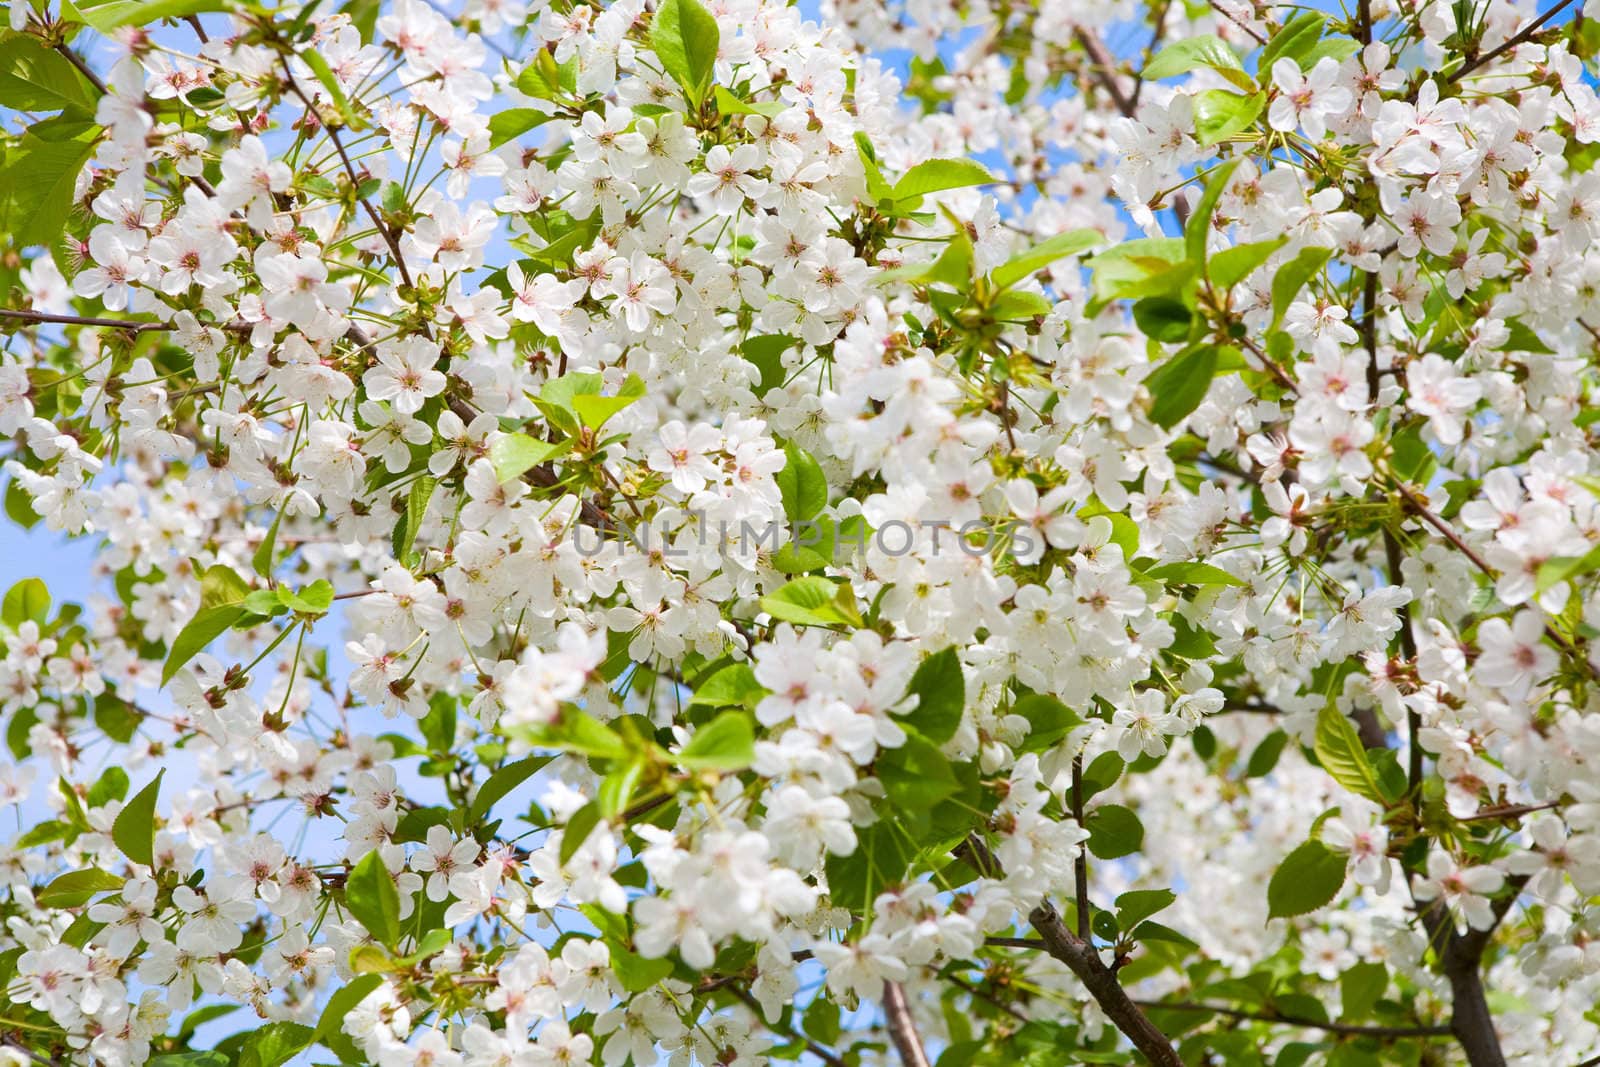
point(1307, 879)
point(1292, 277)
point(76, 888)
point(685, 38)
point(1043, 254)
point(1197, 230)
point(1114, 831)
point(27, 601)
point(1179, 385)
point(941, 692)
point(514, 453)
point(1192, 53)
point(726, 743)
point(134, 829)
point(937, 175)
point(1342, 755)
point(801, 483)
point(372, 899)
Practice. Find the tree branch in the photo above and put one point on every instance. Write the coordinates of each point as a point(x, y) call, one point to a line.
point(902, 1028)
point(1521, 37)
point(1461, 962)
point(1084, 961)
point(1347, 1029)
point(1104, 68)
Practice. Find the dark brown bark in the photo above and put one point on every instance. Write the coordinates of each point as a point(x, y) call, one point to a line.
point(1101, 982)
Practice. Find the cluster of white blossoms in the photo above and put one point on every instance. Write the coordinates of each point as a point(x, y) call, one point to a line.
point(707, 532)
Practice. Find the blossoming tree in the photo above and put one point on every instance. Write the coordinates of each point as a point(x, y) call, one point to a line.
point(715, 531)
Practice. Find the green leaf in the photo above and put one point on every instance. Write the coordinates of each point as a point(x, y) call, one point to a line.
point(635, 972)
point(544, 79)
point(405, 531)
point(1337, 49)
point(37, 181)
point(329, 1032)
point(766, 353)
point(1192, 53)
point(726, 743)
point(1231, 266)
point(941, 692)
point(595, 410)
point(802, 484)
point(685, 38)
point(28, 600)
point(1018, 305)
point(513, 122)
point(36, 78)
point(1049, 720)
point(274, 1044)
point(813, 601)
point(111, 785)
point(880, 860)
point(261, 560)
point(314, 599)
point(1163, 318)
point(576, 731)
point(1179, 385)
point(514, 453)
point(1359, 989)
point(1292, 277)
point(113, 14)
point(1137, 905)
point(915, 776)
point(1298, 36)
point(1192, 574)
point(341, 103)
point(371, 897)
point(1150, 930)
point(1114, 831)
point(502, 782)
point(734, 685)
point(134, 829)
point(1145, 266)
point(577, 830)
point(1341, 754)
point(1552, 572)
point(1220, 114)
point(222, 596)
point(728, 104)
point(1307, 879)
point(19, 506)
point(937, 175)
point(1265, 756)
point(76, 888)
point(1198, 229)
point(1043, 254)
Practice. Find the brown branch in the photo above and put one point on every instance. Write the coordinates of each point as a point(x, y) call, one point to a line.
point(1231, 17)
point(1084, 961)
point(82, 320)
point(1080, 863)
point(83, 68)
point(902, 1028)
point(1150, 49)
point(1347, 1029)
point(383, 228)
point(825, 1055)
point(1104, 68)
point(1461, 962)
point(1521, 37)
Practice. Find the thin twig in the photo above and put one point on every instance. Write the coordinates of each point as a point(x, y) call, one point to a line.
point(1348, 1029)
point(1521, 37)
